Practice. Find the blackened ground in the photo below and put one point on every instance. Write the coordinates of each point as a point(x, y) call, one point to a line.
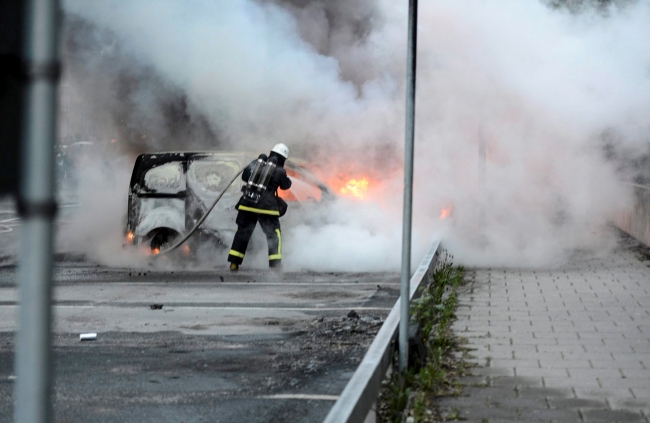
point(248, 347)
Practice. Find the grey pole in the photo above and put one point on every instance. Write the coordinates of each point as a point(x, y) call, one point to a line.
point(408, 186)
point(37, 207)
point(482, 156)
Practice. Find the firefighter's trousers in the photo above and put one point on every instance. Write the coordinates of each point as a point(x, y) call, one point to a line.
point(246, 222)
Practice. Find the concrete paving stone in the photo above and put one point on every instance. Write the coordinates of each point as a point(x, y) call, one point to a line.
point(500, 341)
point(500, 344)
point(641, 348)
point(474, 313)
point(611, 347)
point(616, 337)
point(573, 354)
point(623, 328)
point(519, 309)
point(641, 393)
point(608, 325)
point(595, 373)
point(580, 331)
point(480, 394)
point(538, 308)
point(560, 336)
point(473, 333)
point(633, 338)
point(482, 354)
point(483, 413)
point(575, 403)
point(523, 330)
point(538, 355)
point(639, 339)
point(565, 349)
point(518, 403)
point(499, 321)
point(567, 382)
point(556, 318)
point(477, 327)
point(535, 341)
point(548, 415)
point(624, 382)
point(621, 316)
point(637, 374)
point(521, 324)
point(518, 364)
point(564, 364)
point(540, 372)
point(503, 331)
point(625, 357)
point(563, 323)
point(574, 344)
point(493, 371)
point(642, 404)
point(612, 416)
point(605, 392)
point(496, 401)
point(511, 382)
point(522, 349)
point(544, 324)
point(626, 365)
point(548, 393)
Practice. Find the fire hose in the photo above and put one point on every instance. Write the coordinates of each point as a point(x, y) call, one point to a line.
point(202, 219)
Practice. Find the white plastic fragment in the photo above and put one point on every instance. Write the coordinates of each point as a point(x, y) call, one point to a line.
point(88, 336)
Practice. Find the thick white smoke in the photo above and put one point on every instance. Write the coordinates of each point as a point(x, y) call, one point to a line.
point(536, 86)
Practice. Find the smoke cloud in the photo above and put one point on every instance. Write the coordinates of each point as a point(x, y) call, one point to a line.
point(539, 88)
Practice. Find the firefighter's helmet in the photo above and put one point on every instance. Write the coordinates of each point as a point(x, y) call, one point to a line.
point(281, 149)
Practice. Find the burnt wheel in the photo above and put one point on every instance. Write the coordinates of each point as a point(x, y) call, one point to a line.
point(161, 239)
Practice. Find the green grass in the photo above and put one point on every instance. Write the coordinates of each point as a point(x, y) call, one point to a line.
point(410, 393)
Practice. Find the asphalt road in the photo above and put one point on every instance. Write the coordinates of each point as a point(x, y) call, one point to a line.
point(244, 347)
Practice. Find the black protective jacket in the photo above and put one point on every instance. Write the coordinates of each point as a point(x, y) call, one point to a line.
point(269, 203)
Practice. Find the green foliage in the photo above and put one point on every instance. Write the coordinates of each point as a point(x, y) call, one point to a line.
point(434, 311)
point(396, 398)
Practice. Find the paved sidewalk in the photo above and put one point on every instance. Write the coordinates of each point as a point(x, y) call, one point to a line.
point(567, 345)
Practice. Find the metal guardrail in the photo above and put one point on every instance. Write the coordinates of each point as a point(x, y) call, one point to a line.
point(362, 390)
point(636, 219)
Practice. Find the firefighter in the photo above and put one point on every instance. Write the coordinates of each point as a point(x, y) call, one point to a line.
point(266, 209)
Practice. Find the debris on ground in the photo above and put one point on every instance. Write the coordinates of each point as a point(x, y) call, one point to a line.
point(88, 336)
point(324, 341)
point(156, 306)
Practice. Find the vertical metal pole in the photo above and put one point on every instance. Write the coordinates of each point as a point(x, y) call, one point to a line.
point(482, 156)
point(408, 186)
point(37, 207)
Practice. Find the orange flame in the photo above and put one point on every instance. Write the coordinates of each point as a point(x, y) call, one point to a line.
point(356, 187)
point(445, 213)
point(156, 251)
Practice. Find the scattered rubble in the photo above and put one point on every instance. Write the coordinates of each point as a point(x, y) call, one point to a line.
point(88, 336)
point(322, 343)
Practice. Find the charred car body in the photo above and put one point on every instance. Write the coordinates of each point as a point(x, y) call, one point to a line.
point(170, 192)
